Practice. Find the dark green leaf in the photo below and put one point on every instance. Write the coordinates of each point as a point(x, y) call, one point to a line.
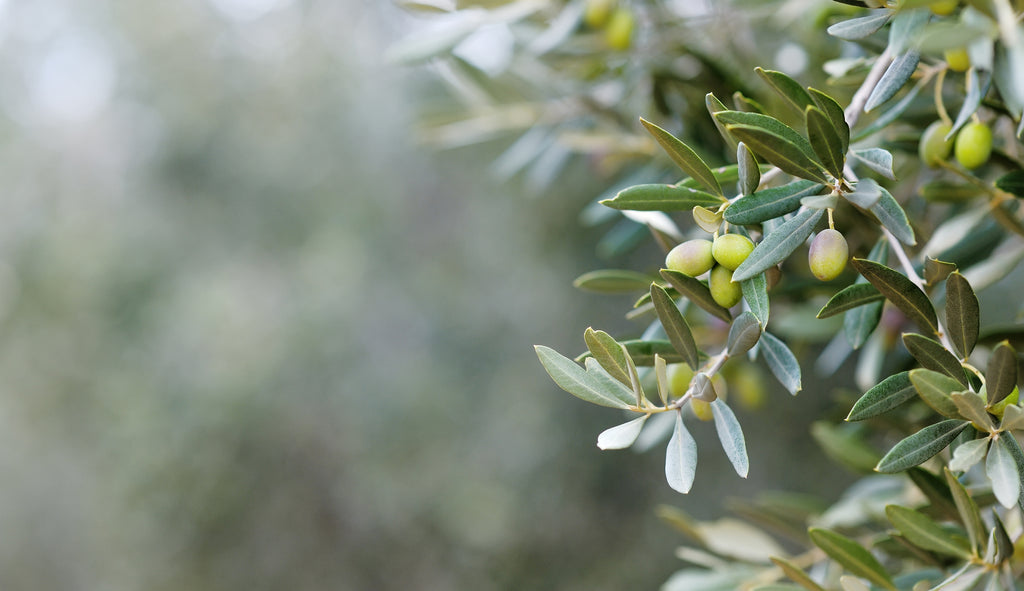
point(790, 90)
point(675, 326)
point(887, 395)
point(797, 574)
point(852, 556)
point(731, 436)
point(697, 293)
point(780, 151)
point(932, 355)
point(836, 115)
point(1002, 471)
point(1012, 182)
point(900, 291)
point(573, 379)
point(661, 198)
point(642, 352)
point(781, 362)
point(774, 128)
point(778, 244)
point(861, 27)
point(936, 389)
point(925, 533)
point(607, 351)
point(750, 173)
point(612, 281)
point(685, 157)
point(1001, 373)
point(878, 160)
point(896, 75)
point(681, 458)
point(849, 298)
point(921, 446)
point(969, 513)
point(755, 293)
point(962, 314)
point(936, 271)
point(770, 203)
point(891, 215)
point(743, 334)
point(825, 141)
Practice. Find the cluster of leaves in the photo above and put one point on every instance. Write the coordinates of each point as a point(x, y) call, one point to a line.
point(943, 506)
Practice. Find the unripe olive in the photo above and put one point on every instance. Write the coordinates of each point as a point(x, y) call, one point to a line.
point(692, 257)
point(731, 249)
point(596, 12)
point(945, 7)
point(828, 254)
point(725, 293)
point(958, 59)
point(749, 384)
point(619, 31)
point(679, 376)
point(934, 147)
point(702, 410)
point(973, 145)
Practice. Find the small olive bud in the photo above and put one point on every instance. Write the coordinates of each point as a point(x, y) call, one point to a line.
point(828, 254)
point(725, 293)
point(730, 250)
point(692, 257)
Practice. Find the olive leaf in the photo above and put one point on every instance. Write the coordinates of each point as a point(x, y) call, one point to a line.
point(936, 390)
point(750, 174)
point(743, 334)
point(962, 314)
point(774, 141)
point(825, 141)
point(681, 458)
point(684, 157)
point(792, 93)
point(696, 292)
point(622, 436)
point(932, 355)
point(936, 271)
point(767, 204)
point(612, 281)
point(860, 322)
point(836, 116)
point(925, 533)
point(675, 326)
point(969, 513)
point(755, 294)
point(1002, 471)
point(778, 244)
point(607, 351)
point(860, 27)
point(731, 436)
point(658, 197)
point(1001, 373)
point(886, 395)
point(852, 556)
point(850, 297)
point(900, 291)
point(576, 381)
point(896, 75)
point(921, 446)
point(781, 362)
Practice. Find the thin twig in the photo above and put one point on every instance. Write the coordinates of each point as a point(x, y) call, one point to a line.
point(860, 98)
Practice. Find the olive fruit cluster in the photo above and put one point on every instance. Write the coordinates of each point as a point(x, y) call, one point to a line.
point(972, 145)
point(618, 22)
point(721, 257)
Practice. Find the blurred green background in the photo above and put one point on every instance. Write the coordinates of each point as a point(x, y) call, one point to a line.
point(254, 337)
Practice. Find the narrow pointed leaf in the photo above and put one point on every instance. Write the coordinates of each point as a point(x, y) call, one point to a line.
point(1012, 446)
point(608, 353)
point(878, 160)
point(675, 326)
point(572, 378)
point(769, 124)
point(925, 533)
point(696, 292)
point(1001, 373)
point(731, 436)
point(715, 106)
point(859, 323)
point(790, 90)
point(849, 298)
point(932, 355)
point(852, 556)
point(825, 140)
point(661, 198)
point(936, 390)
point(684, 157)
point(969, 513)
point(770, 203)
point(780, 151)
point(750, 174)
point(1002, 472)
point(860, 27)
point(972, 408)
point(836, 116)
point(643, 352)
point(661, 375)
point(781, 362)
point(612, 281)
point(891, 215)
point(921, 446)
point(900, 291)
point(778, 244)
point(797, 574)
point(887, 395)
point(621, 436)
point(755, 293)
point(896, 75)
point(681, 458)
point(1004, 545)
point(743, 334)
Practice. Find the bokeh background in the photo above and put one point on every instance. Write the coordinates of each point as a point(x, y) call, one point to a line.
point(253, 335)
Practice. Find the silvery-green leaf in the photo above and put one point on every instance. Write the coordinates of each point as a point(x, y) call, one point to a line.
point(1013, 418)
point(852, 556)
point(861, 27)
point(865, 195)
point(921, 446)
point(622, 436)
point(661, 374)
point(891, 215)
point(968, 454)
point(731, 436)
point(877, 160)
point(906, 25)
point(883, 120)
point(978, 83)
point(898, 73)
point(925, 533)
point(755, 294)
point(612, 281)
point(608, 384)
point(656, 197)
point(887, 395)
point(768, 204)
point(781, 362)
point(778, 245)
point(936, 389)
point(743, 334)
point(575, 380)
point(790, 90)
point(681, 458)
point(1002, 472)
point(820, 201)
point(972, 408)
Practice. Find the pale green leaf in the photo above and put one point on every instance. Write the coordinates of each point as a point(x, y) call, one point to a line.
point(755, 294)
point(968, 454)
point(891, 215)
point(969, 513)
point(750, 174)
point(936, 390)
point(658, 197)
point(608, 384)
point(972, 408)
point(612, 281)
point(792, 93)
point(865, 195)
point(572, 378)
point(608, 353)
point(797, 574)
point(681, 458)
point(877, 160)
point(621, 436)
point(743, 334)
point(978, 84)
point(860, 27)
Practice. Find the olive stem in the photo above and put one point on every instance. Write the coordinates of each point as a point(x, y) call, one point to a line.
point(831, 222)
point(939, 105)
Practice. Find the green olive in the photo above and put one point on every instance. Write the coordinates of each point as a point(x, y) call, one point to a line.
point(958, 59)
point(828, 254)
point(618, 33)
point(596, 12)
point(679, 376)
point(944, 7)
point(725, 293)
point(973, 145)
point(692, 257)
point(702, 410)
point(730, 250)
point(934, 148)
